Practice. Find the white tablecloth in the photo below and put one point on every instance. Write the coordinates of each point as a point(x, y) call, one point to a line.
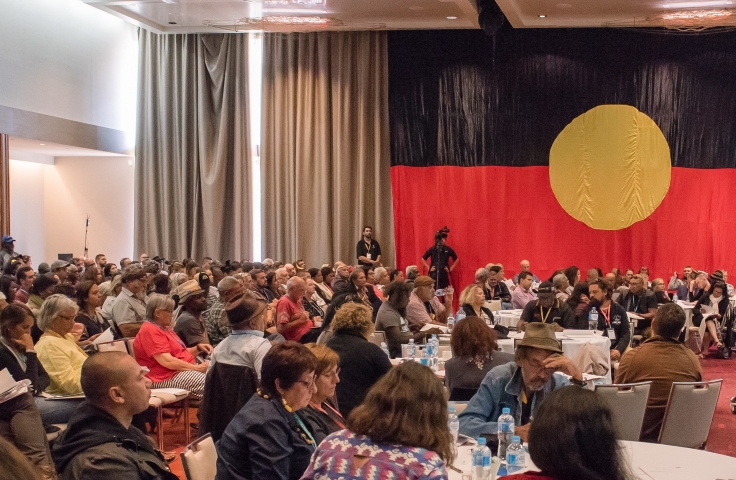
point(648, 461)
point(507, 318)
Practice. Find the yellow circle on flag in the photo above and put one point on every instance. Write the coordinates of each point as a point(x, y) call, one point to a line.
point(610, 167)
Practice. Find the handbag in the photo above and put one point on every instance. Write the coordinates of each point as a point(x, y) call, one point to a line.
point(694, 340)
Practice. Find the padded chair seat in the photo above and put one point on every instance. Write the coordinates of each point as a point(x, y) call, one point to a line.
point(166, 398)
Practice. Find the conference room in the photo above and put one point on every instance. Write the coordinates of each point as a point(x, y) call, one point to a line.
point(269, 214)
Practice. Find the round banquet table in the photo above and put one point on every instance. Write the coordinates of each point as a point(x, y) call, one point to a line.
point(648, 461)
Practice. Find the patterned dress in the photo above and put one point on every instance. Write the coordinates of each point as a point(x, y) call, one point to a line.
point(334, 460)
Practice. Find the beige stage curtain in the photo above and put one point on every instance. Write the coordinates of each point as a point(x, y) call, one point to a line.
point(325, 158)
point(192, 174)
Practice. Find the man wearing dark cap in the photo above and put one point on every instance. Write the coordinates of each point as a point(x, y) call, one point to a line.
point(189, 324)
point(547, 308)
point(7, 253)
point(521, 385)
point(246, 345)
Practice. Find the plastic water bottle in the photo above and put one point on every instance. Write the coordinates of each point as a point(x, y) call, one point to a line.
point(411, 349)
point(481, 460)
point(515, 456)
point(505, 432)
point(460, 315)
point(384, 347)
point(450, 323)
point(453, 423)
point(434, 353)
point(593, 319)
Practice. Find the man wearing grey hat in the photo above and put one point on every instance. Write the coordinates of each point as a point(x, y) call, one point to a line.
point(521, 385)
point(246, 345)
point(58, 268)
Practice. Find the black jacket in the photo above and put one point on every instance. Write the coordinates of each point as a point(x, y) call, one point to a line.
point(619, 323)
point(468, 309)
point(501, 292)
point(361, 365)
point(34, 370)
point(95, 445)
point(560, 314)
point(227, 388)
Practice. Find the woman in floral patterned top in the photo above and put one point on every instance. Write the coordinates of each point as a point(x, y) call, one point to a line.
point(398, 432)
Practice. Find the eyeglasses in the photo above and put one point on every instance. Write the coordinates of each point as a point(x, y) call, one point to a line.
point(164, 310)
point(307, 384)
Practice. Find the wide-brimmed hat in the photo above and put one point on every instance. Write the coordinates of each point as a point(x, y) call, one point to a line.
point(423, 281)
point(187, 289)
point(541, 336)
point(244, 307)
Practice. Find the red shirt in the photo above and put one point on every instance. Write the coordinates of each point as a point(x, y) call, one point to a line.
point(152, 340)
point(288, 311)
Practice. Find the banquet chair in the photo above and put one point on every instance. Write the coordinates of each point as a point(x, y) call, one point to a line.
point(689, 413)
point(161, 397)
point(199, 459)
point(114, 346)
point(377, 338)
point(628, 402)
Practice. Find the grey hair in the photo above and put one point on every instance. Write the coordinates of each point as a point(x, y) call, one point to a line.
point(559, 280)
point(177, 279)
point(412, 272)
point(379, 272)
point(481, 272)
point(156, 301)
point(51, 309)
point(228, 283)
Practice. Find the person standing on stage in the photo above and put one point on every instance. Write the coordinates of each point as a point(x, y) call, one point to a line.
point(439, 264)
point(368, 250)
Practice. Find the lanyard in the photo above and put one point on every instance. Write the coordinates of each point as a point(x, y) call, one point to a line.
point(335, 416)
point(636, 305)
point(607, 314)
point(305, 429)
point(544, 317)
point(368, 246)
point(174, 336)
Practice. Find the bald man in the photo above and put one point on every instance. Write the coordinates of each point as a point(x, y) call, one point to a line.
point(100, 441)
point(525, 266)
point(292, 321)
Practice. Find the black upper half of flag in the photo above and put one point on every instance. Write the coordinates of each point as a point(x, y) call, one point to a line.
point(461, 98)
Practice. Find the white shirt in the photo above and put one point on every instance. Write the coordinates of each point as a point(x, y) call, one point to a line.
point(243, 347)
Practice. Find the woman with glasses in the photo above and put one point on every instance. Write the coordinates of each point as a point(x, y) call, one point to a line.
point(267, 439)
point(321, 414)
point(170, 363)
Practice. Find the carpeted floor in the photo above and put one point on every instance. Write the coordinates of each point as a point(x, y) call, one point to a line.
point(722, 438)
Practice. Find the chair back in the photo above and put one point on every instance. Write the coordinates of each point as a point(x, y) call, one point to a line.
point(114, 346)
point(377, 337)
point(226, 389)
point(689, 413)
point(199, 459)
point(627, 402)
point(494, 305)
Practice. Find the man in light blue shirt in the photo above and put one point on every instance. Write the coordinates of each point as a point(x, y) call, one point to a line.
point(246, 345)
point(520, 386)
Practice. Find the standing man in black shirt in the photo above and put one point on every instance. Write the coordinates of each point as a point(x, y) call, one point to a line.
point(439, 266)
point(368, 250)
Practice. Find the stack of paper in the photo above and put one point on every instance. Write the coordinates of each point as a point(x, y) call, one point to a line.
point(9, 388)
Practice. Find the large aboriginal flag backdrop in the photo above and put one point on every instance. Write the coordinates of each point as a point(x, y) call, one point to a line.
point(596, 148)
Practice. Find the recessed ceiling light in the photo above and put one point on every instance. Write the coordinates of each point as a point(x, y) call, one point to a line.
point(452, 18)
point(543, 16)
point(42, 144)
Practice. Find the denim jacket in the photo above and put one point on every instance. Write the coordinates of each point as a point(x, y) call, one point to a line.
point(501, 388)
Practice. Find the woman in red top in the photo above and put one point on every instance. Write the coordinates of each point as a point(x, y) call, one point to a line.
point(573, 437)
point(158, 348)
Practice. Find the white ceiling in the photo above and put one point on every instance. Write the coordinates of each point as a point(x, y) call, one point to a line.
point(44, 152)
point(194, 15)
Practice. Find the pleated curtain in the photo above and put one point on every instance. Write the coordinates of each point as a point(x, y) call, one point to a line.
point(192, 173)
point(325, 162)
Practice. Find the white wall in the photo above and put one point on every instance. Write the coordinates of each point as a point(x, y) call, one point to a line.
point(70, 60)
point(49, 206)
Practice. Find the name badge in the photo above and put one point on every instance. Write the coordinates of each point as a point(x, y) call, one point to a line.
point(611, 334)
point(368, 256)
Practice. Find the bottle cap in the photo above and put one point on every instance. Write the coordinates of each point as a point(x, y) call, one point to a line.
point(451, 408)
point(516, 439)
point(506, 410)
point(481, 440)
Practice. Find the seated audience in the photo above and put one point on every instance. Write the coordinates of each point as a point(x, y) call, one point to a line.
point(189, 325)
point(381, 278)
point(424, 307)
point(25, 277)
point(310, 305)
point(325, 285)
point(391, 319)
point(267, 439)
point(676, 282)
point(396, 275)
point(560, 283)
point(18, 355)
point(474, 353)
point(109, 270)
point(292, 320)
point(319, 296)
point(525, 266)
point(321, 415)
point(699, 287)
point(337, 302)
point(521, 385)
point(472, 301)
point(399, 431)
point(660, 294)
point(43, 287)
point(110, 291)
point(246, 345)
point(100, 440)
point(215, 319)
point(412, 272)
point(593, 275)
point(612, 318)
point(523, 294)
point(573, 278)
point(496, 288)
point(57, 349)
point(89, 302)
point(129, 308)
point(717, 302)
point(170, 362)
point(358, 284)
point(573, 436)
point(640, 302)
point(340, 280)
point(548, 309)
point(361, 362)
point(661, 359)
point(579, 298)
